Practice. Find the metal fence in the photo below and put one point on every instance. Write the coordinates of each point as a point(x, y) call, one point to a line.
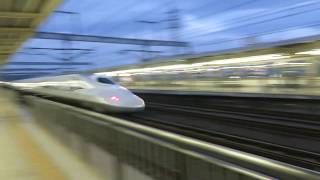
point(136, 151)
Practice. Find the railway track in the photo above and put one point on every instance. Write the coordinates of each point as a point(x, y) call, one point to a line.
point(273, 150)
point(285, 137)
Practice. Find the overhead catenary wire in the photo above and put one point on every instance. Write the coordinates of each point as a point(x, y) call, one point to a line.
point(115, 13)
point(143, 14)
point(261, 34)
point(236, 6)
point(276, 11)
point(243, 22)
point(258, 22)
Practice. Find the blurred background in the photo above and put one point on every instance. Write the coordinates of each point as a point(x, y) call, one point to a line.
point(166, 89)
point(96, 34)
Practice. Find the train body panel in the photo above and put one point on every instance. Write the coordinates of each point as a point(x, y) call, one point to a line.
point(96, 92)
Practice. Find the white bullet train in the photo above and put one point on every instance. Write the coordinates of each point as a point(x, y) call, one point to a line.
point(91, 91)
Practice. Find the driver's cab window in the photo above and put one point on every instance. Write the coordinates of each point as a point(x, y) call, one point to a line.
point(104, 80)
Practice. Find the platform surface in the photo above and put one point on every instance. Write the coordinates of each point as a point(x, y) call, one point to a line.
point(29, 152)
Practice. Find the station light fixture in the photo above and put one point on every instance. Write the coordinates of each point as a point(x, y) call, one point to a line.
point(245, 59)
point(311, 52)
point(190, 67)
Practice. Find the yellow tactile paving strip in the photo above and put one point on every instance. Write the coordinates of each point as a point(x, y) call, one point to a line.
point(37, 158)
point(13, 163)
point(25, 150)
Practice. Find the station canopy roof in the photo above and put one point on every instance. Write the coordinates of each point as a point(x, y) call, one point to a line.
point(19, 19)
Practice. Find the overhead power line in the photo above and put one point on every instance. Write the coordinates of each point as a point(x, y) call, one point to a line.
point(140, 50)
point(236, 6)
point(238, 21)
point(222, 11)
point(105, 39)
point(258, 22)
point(59, 49)
point(27, 63)
point(68, 57)
point(276, 11)
point(257, 35)
point(140, 15)
point(33, 69)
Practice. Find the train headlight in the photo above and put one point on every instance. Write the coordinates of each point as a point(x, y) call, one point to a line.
point(115, 98)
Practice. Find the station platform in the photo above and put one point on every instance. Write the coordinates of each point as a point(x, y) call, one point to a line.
point(29, 152)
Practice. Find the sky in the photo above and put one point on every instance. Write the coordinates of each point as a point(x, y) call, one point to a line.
point(208, 25)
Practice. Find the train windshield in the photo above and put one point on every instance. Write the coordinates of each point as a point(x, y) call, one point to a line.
point(104, 80)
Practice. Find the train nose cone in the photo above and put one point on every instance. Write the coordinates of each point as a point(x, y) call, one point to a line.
point(119, 96)
point(137, 102)
point(128, 100)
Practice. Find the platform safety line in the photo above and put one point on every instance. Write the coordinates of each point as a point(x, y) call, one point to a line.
point(39, 160)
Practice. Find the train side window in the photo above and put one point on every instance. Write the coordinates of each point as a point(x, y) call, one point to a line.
point(104, 80)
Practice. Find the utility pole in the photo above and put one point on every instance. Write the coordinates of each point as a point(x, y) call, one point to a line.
point(250, 41)
point(75, 19)
point(146, 49)
point(144, 54)
point(174, 26)
point(67, 44)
